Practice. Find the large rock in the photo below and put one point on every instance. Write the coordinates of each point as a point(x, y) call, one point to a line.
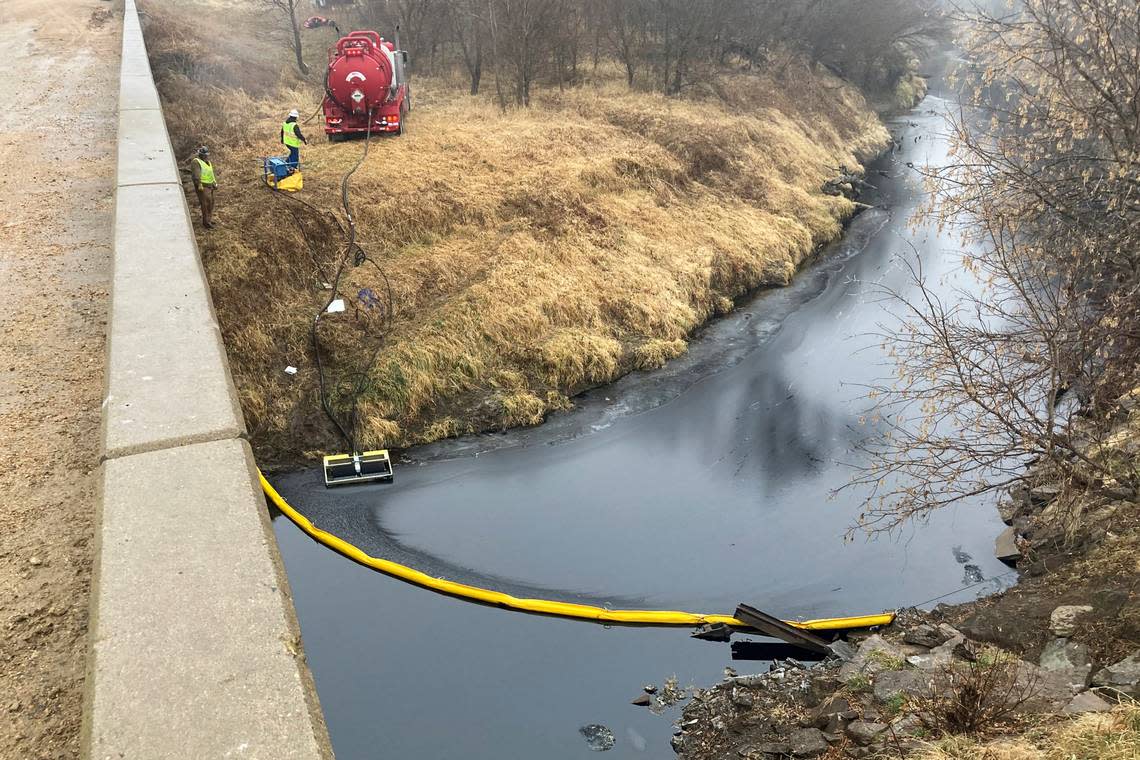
point(807, 742)
point(1040, 691)
point(865, 732)
point(943, 654)
point(910, 723)
point(1086, 702)
point(842, 650)
point(930, 661)
point(1007, 510)
point(824, 715)
point(891, 683)
point(926, 635)
point(954, 639)
point(1063, 620)
point(1044, 494)
point(874, 656)
point(1016, 622)
point(1005, 546)
point(1123, 676)
point(1069, 659)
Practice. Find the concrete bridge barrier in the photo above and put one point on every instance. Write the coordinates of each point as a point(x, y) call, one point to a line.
point(195, 650)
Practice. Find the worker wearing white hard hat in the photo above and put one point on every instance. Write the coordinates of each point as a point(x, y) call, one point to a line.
point(292, 138)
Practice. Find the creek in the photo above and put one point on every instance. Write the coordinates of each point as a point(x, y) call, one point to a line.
point(696, 487)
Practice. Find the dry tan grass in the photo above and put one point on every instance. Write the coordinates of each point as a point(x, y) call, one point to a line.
point(652, 354)
point(1110, 736)
point(531, 253)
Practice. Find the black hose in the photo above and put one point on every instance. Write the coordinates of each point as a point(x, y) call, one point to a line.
point(350, 249)
point(315, 339)
point(332, 96)
point(320, 105)
point(359, 258)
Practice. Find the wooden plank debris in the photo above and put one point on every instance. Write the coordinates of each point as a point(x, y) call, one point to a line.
point(770, 626)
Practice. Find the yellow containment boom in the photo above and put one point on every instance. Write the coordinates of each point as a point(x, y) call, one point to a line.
point(543, 606)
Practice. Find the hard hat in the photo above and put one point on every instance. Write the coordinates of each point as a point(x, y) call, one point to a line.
point(203, 151)
point(294, 114)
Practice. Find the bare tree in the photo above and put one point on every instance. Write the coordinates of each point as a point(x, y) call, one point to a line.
point(628, 34)
point(521, 33)
point(469, 27)
point(288, 11)
point(1035, 367)
point(682, 42)
point(424, 22)
point(567, 28)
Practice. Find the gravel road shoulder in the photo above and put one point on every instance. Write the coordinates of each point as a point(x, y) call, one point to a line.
point(57, 169)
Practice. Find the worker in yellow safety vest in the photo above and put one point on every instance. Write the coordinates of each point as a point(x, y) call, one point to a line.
point(292, 138)
point(204, 185)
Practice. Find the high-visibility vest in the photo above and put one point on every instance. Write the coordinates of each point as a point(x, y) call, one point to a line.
point(290, 130)
point(207, 177)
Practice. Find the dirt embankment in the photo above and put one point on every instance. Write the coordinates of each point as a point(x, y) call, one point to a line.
point(530, 254)
point(57, 177)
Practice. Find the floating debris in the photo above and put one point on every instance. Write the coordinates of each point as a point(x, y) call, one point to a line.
point(716, 632)
point(598, 737)
point(671, 692)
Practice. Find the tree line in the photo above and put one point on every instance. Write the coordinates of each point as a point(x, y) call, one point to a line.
point(664, 45)
point(1043, 366)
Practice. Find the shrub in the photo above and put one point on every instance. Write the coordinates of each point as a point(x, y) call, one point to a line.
point(971, 697)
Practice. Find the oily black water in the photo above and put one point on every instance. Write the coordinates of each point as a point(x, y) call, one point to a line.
point(694, 488)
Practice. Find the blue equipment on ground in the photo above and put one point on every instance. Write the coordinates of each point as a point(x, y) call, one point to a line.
point(280, 175)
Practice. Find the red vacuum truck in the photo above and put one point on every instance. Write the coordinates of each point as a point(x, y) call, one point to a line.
point(366, 76)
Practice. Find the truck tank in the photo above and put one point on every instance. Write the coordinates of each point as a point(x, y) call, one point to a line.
point(365, 77)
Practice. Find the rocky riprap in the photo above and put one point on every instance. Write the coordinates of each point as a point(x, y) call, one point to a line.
point(870, 694)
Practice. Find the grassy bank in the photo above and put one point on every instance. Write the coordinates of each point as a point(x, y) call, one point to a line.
point(529, 253)
point(1111, 736)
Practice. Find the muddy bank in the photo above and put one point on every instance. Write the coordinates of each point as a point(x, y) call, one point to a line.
point(1094, 565)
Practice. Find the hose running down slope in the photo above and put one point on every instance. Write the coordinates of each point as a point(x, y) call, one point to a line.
point(541, 606)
